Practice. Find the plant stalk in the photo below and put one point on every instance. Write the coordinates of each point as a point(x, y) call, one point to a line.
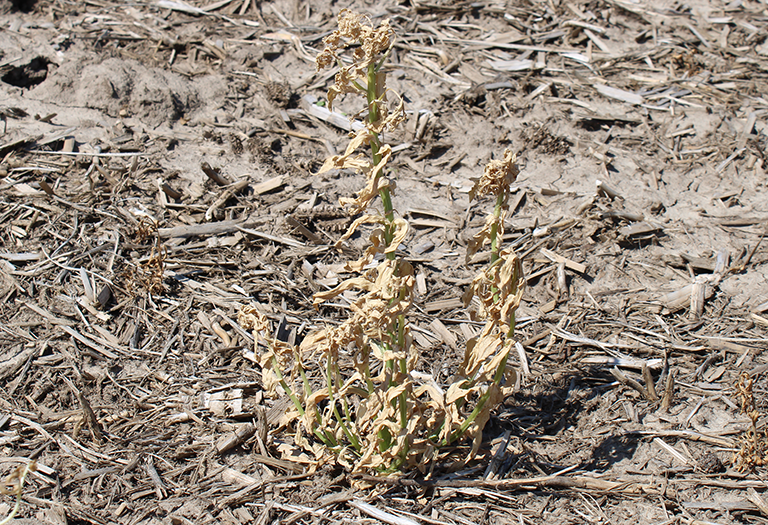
point(332, 401)
point(319, 433)
point(495, 244)
point(386, 197)
point(480, 404)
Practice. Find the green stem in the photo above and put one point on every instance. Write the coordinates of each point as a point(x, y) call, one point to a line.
point(403, 398)
point(351, 437)
point(495, 244)
point(512, 324)
point(305, 381)
point(495, 248)
point(389, 365)
point(327, 440)
point(335, 409)
point(347, 413)
point(385, 437)
point(373, 117)
point(373, 111)
point(480, 404)
point(389, 215)
point(284, 384)
point(368, 381)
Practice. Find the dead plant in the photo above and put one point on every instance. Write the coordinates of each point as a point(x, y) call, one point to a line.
point(146, 229)
point(366, 406)
point(753, 444)
point(148, 274)
point(13, 485)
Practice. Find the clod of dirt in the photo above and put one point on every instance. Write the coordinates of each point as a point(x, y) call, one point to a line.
point(153, 95)
point(538, 136)
point(279, 94)
point(236, 144)
point(28, 75)
point(710, 463)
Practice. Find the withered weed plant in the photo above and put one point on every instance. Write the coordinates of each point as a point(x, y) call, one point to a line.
point(13, 486)
point(367, 406)
point(148, 274)
point(753, 444)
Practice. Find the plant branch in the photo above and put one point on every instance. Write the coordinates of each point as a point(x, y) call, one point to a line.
point(480, 403)
point(495, 244)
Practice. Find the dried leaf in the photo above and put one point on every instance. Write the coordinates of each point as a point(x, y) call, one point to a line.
point(499, 289)
point(499, 174)
point(480, 238)
point(374, 183)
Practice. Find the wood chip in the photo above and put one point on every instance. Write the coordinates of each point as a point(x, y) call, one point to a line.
point(554, 257)
point(446, 335)
point(269, 185)
point(443, 304)
point(619, 94)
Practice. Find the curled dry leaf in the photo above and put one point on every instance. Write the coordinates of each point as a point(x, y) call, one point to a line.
point(480, 238)
point(497, 177)
point(357, 162)
point(496, 395)
point(361, 283)
point(496, 180)
point(378, 242)
point(499, 289)
point(268, 350)
point(389, 294)
point(376, 238)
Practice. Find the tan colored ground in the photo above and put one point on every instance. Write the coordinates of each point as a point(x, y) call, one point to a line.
point(663, 103)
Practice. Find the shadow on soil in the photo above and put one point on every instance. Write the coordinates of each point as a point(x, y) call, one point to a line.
point(551, 412)
point(25, 6)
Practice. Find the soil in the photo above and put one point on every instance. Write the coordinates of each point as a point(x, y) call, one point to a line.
point(641, 134)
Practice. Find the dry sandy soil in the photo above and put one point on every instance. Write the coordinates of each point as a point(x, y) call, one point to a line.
point(641, 132)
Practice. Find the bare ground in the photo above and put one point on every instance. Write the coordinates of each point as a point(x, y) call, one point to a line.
point(641, 134)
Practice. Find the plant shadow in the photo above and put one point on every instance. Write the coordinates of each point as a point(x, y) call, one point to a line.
point(551, 412)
